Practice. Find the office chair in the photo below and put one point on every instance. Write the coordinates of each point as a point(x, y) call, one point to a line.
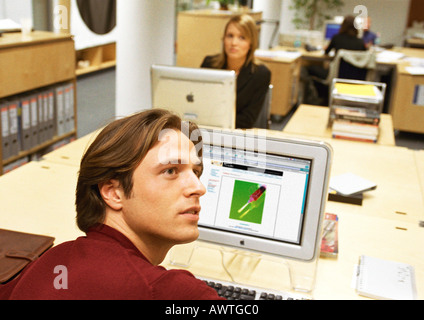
point(264, 118)
point(350, 64)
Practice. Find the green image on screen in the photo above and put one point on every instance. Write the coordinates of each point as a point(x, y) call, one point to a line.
point(248, 200)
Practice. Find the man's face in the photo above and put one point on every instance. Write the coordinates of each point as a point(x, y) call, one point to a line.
point(164, 205)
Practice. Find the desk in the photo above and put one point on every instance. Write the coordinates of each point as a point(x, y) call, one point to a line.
point(71, 153)
point(285, 74)
point(407, 114)
point(419, 160)
point(357, 235)
point(312, 121)
point(39, 198)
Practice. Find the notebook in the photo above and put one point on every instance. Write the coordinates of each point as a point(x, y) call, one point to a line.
point(385, 279)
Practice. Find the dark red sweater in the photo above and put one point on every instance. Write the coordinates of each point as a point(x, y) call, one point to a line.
point(103, 265)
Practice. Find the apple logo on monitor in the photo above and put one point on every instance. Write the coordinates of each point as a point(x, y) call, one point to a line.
point(190, 97)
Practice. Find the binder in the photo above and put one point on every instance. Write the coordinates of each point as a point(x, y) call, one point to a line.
point(5, 143)
point(40, 117)
point(59, 109)
point(45, 115)
point(50, 117)
point(34, 119)
point(15, 145)
point(69, 107)
point(25, 123)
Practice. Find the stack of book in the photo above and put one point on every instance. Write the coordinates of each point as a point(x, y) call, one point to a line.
point(354, 123)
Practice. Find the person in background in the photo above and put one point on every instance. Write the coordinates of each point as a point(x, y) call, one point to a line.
point(137, 195)
point(239, 44)
point(369, 37)
point(346, 38)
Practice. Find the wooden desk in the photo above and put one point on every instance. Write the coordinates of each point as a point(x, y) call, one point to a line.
point(376, 237)
point(419, 161)
point(311, 120)
point(285, 74)
point(408, 115)
point(39, 197)
point(71, 153)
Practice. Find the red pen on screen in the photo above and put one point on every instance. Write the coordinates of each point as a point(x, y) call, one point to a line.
point(254, 197)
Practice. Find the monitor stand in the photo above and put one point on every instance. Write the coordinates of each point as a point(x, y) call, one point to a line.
point(244, 267)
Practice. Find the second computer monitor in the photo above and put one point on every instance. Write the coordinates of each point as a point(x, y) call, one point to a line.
point(331, 28)
point(204, 96)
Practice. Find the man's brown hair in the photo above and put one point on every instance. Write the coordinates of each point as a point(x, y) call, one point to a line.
point(115, 154)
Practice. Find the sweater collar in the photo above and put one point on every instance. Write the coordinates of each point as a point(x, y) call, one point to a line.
point(106, 233)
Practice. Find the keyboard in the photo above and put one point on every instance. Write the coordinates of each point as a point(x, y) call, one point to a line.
point(232, 291)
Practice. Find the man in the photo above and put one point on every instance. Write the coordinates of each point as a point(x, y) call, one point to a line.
point(137, 195)
point(369, 37)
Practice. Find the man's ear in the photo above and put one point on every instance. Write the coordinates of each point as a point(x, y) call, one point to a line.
point(112, 194)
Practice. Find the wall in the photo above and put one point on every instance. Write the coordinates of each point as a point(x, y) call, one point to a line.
point(15, 9)
point(145, 36)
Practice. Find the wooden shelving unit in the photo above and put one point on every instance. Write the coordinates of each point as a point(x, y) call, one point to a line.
point(95, 58)
point(36, 62)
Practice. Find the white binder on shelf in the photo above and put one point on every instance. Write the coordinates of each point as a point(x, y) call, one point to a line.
point(15, 145)
point(69, 107)
point(5, 143)
point(40, 106)
point(51, 119)
point(46, 115)
point(25, 126)
point(34, 119)
point(60, 110)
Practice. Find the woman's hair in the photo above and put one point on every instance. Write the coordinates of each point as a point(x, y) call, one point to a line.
point(116, 152)
point(247, 26)
point(348, 26)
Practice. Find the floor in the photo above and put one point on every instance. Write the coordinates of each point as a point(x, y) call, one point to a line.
point(96, 107)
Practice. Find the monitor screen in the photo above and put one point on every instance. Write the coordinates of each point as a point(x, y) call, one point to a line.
point(264, 194)
point(331, 29)
point(204, 96)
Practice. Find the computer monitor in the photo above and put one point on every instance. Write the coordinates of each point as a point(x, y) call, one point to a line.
point(264, 194)
point(331, 28)
point(204, 96)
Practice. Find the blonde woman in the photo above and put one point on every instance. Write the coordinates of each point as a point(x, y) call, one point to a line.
point(239, 44)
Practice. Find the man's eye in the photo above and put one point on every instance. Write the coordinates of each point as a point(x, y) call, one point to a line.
point(170, 171)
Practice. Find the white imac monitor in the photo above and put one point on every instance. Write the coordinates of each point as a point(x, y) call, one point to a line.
point(204, 96)
point(263, 194)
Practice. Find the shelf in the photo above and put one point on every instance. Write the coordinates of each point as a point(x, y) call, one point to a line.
point(34, 66)
point(95, 58)
point(38, 148)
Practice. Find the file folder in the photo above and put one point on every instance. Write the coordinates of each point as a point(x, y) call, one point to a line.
point(15, 145)
point(40, 109)
point(45, 121)
point(50, 117)
point(69, 107)
point(34, 119)
point(5, 143)
point(25, 123)
point(59, 108)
